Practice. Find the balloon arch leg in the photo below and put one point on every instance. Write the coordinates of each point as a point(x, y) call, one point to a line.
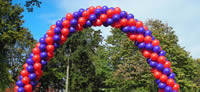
point(97, 16)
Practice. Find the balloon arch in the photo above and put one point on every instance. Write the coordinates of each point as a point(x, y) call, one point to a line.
point(96, 16)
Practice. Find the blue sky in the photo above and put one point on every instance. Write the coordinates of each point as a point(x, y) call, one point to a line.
point(182, 15)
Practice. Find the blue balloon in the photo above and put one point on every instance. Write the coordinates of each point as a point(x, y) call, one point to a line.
point(149, 60)
point(168, 89)
point(160, 67)
point(104, 9)
point(63, 18)
point(162, 53)
point(33, 83)
point(44, 63)
point(19, 83)
point(133, 29)
point(42, 40)
point(20, 89)
point(57, 30)
point(161, 85)
point(45, 36)
point(156, 49)
point(149, 46)
point(112, 8)
point(166, 71)
point(147, 33)
point(123, 14)
point(72, 30)
point(136, 20)
point(59, 24)
point(116, 17)
point(129, 16)
point(126, 29)
point(30, 68)
point(157, 81)
point(136, 43)
point(32, 76)
point(105, 24)
point(20, 77)
point(98, 12)
point(171, 75)
point(56, 45)
point(56, 38)
point(92, 17)
point(42, 47)
point(109, 21)
point(30, 61)
point(153, 38)
point(141, 45)
point(31, 55)
point(76, 15)
point(153, 64)
point(174, 91)
point(88, 23)
point(74, 22)
point(80, 12)
point(141, 30)
point(43, 55)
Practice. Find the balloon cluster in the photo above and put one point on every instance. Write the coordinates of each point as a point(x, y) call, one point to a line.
point(97, 16)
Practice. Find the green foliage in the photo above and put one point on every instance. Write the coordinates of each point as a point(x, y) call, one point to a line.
point(15, 43)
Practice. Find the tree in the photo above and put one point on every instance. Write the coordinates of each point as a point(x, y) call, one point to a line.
point(130, 70)
point(79, 49)
point(15, 42)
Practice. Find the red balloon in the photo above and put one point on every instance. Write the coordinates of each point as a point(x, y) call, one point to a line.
point(116, 25)
point(37, 45)
point(176, 87)
point(63, 38)
point(161, 90)
point(65, 31)
point(170, 82)
point(36, 50)
point(147, 54)
point(161, 59)
point(50, 33)
point(79, 27)
point(110, 13)
point(133, 37)
point(69, 16)
point(146, 28)
point(154, 70)
point(103, 17)
point(52, 27)
point(25, 65)
point(37, 66)
point(139, 24)
point(39, 73)
point(50, 55)
point(163, 78)
point(28, 88)
point(124, 22)
point(98, 7)
point(155, 42)
point(25, 80)
point(86, 14)
point(117, 10)
point(16, 87)
point(98, 22)
point(147, 39)
point(131, 22)
point(50, 48)
point(140, 38)
point(167, 64)
point(157, 75)
point(24, 73)
point(66, 23)
point(49, 40)
point(81, 21)
point(36, 58)
point(154, 56)
point(92, 9)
